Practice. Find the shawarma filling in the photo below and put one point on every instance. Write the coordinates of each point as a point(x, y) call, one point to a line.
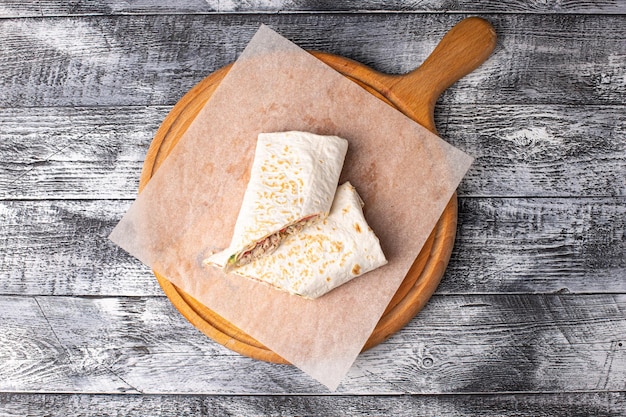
point(269, 244)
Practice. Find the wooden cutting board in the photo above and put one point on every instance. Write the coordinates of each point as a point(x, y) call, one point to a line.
point(461, 50)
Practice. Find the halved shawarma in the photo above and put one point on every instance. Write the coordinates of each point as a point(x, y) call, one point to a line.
point(323, 255)
point(292, 184)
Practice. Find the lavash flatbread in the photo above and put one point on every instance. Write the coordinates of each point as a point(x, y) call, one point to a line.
point(322, 256)
point(292, 183)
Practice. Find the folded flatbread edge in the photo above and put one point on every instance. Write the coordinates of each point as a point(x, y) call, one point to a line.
point(323, 255)
point(292, 184)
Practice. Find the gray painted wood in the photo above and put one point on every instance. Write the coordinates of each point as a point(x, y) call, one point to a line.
point(13, 8)
point(529, 318)
point(155, 59)
point(539, 245)
point(61, 247)
point(75, 153)
point(561, 244)
point(458, 344)
point(520, 150)
point(548, 150)
point(598, 404)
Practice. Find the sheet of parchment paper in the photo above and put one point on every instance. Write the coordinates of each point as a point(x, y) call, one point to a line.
point(404, 173)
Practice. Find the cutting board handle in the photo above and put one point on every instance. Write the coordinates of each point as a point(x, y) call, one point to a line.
point(460, 51)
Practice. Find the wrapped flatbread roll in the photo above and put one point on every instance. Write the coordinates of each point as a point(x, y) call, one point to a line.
point(292, 184)
point(323, 255)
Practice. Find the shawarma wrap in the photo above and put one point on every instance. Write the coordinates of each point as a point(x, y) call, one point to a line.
point(323, 255)
point(292, 184)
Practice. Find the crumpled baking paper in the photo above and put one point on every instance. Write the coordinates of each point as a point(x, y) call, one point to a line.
point(404, 174)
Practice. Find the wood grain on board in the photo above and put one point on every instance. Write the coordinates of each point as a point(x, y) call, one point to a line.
point(520, 150)
point(16, 8)
point(153, 60)
point(453, 405)
point(561, 244)
point(529, 318)
point(461, 50)
point(460, 344)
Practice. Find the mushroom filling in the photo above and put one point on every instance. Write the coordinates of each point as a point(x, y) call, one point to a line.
point(270, 243)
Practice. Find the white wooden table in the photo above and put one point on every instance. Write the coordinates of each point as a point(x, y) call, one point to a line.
point(529, 319)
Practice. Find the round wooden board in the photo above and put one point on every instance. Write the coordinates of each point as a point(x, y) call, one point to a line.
point(426, 272)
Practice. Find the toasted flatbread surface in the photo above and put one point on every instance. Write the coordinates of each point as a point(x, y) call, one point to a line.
point(323, 255)
point(292, 183)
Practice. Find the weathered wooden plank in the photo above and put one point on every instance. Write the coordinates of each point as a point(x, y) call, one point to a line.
point(560, 354)
point(539, 150)
point(12, 8)
point(547, 150)
point(503, 245)
point(47, 8)
point(94, 152)
point(154, 59)
point(61, 247)
point(509, 343)
point(597, 404)
point(458, 344)
point(539, 245)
